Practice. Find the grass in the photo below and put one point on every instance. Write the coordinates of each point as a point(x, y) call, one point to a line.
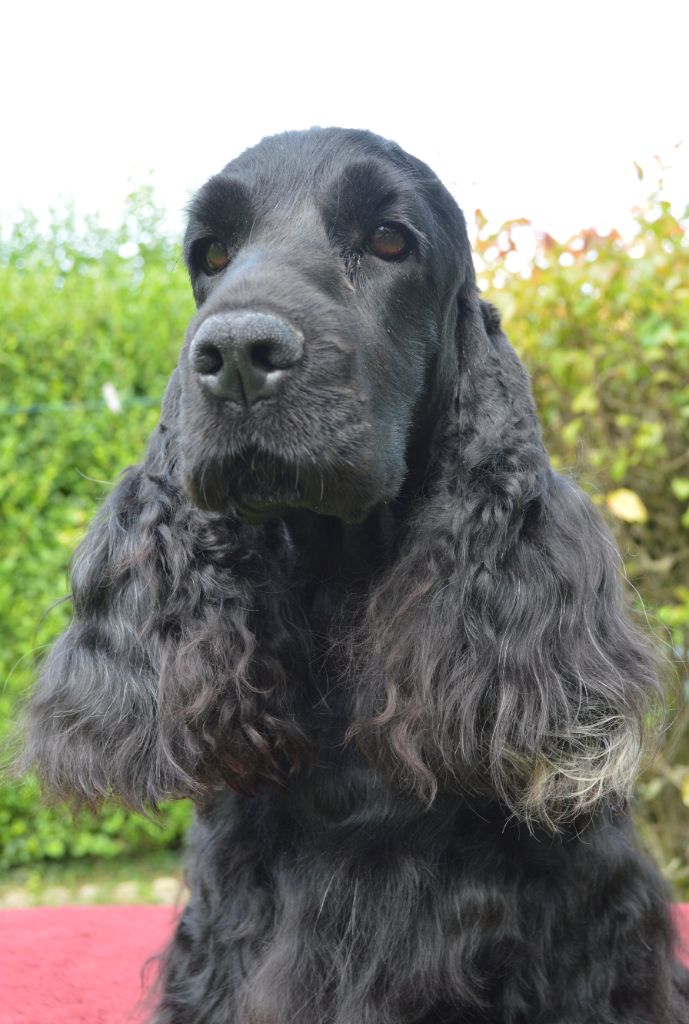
point(157, 878)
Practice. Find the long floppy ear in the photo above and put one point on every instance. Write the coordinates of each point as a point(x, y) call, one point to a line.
point(160, 686)
point(497, 653)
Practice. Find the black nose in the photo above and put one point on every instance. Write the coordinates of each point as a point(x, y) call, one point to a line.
point(244, 356)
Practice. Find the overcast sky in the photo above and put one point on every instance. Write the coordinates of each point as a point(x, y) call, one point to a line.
point(523, 108)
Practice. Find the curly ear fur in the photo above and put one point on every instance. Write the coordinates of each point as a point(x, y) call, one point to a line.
point(495, 655)
point(159, 686)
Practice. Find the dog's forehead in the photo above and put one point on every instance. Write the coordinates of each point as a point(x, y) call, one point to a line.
point(295, 162)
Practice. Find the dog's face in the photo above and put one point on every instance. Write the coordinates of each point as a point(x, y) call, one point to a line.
point(325, 266)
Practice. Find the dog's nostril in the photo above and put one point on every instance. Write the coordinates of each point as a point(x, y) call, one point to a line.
point(263, 355)
point(208, 359)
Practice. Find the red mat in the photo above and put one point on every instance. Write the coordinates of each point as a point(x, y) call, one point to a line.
point(78, 965)
point(83, 965)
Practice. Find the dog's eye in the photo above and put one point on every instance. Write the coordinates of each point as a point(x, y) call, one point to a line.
point(390, 242)
point(214, 256)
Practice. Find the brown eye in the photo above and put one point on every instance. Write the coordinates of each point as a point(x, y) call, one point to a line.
point(215, 256)
point(390, 242)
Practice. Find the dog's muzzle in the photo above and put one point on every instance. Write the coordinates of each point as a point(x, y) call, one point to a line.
point(244, 356)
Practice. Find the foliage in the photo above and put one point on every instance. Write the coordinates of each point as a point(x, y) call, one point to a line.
point(92, 322)
point(30, 831)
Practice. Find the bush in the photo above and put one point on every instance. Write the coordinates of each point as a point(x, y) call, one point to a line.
point(93, 320)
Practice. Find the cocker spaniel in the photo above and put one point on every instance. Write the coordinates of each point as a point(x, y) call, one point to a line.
point(346, 606)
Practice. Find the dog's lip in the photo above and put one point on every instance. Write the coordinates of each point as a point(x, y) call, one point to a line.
point(256, 513)
point(288, 487)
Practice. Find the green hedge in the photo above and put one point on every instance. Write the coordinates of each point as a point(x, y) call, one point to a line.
point(602, 322)
point(83, 308)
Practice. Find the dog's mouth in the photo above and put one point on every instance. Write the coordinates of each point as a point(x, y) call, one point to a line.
point(256, 488)
point(245, 487)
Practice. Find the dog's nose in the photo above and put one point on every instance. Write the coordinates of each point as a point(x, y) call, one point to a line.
point(243, 355)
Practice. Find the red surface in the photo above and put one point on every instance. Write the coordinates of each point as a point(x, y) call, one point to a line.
point(682, 922)
point(78, 965)
point(83, 965)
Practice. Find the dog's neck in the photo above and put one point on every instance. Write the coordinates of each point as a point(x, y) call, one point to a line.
point(331, 551)
point(344, 556)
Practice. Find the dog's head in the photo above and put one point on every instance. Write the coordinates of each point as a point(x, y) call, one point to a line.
point(326, 267)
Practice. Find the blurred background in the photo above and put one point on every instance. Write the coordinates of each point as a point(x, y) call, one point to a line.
point(563, 132)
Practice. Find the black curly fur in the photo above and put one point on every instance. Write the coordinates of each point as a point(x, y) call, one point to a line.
point(373, 635)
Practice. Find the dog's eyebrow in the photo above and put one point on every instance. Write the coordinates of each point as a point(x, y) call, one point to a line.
point(365, 191)
point(223, 204)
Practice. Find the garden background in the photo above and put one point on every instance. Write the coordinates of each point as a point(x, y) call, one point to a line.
point(92, 320)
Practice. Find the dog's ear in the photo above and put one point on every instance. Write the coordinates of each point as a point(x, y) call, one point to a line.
point(151, 690)
point(500, 656)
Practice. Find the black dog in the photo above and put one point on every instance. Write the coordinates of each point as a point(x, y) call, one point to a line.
point(347, 606)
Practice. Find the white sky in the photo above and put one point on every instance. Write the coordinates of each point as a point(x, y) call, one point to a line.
point(523, 108)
